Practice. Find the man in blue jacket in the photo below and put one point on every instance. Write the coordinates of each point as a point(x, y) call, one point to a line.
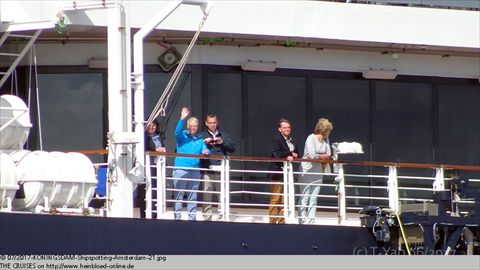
point(186, 168)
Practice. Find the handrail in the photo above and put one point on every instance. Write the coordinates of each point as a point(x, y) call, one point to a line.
point(349, 162)
point(91, 152)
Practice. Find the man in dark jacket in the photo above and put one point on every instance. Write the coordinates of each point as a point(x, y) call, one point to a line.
point(219, 143)
point(283, 146)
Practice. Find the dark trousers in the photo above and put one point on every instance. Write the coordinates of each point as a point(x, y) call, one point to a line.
point(141, 193)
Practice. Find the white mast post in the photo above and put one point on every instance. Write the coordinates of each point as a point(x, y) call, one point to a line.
point(120, 156)
point(138, 82)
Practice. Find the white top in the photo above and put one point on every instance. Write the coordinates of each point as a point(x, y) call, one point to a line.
point(313, 148)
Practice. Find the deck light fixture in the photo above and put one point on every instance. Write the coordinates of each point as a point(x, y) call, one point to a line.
point(96, 63)
point(251, 65)
point(382, 74)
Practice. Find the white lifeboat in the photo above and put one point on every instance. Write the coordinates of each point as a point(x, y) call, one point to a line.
point(55, 179)
point(14, 123)
point(8, 181)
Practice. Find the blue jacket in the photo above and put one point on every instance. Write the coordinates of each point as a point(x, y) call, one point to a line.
point(186, 144)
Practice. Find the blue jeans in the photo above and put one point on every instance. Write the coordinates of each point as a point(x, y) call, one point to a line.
point(308, 203)
point(179, 183)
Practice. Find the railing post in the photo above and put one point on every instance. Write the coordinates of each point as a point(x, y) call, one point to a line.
point(393, 198)
point(342, 201)
point(285, 189)
point(291, 194)
point(439, 183)
point(9, 204)
point(226, 188)
point(148, 188)
point(221, 200)
point(161, 186)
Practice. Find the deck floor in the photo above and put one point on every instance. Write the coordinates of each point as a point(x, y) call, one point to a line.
point(255, 215)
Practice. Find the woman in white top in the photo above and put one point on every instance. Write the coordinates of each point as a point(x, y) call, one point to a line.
point(316, 147)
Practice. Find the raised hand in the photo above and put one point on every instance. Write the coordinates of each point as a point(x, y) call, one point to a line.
point(185, 113)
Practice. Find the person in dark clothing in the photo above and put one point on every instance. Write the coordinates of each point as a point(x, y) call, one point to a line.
point(153, 138)
point(283, 146)
point(219, 143)
point(154, 143)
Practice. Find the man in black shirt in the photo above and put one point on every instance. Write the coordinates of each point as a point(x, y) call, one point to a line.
point(219, 143)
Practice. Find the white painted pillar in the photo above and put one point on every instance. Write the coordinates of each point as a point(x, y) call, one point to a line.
point(120, 156)
point(342, 200)
point(161, 167)
point(226, 207)
point(291, 195)
point(439, 183)
point(393, 198)
point(285, 190)
point(148, 187)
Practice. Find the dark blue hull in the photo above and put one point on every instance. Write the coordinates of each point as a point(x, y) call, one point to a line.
point(46, 234)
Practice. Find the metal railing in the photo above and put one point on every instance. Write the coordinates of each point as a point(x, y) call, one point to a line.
point(246, 188)
point(455, 4)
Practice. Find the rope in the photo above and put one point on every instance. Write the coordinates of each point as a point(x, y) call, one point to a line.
point(403, 234)
point(14, 83)
point(29, 94)
point(29, 78)
point(38, 99)
point(163, 100)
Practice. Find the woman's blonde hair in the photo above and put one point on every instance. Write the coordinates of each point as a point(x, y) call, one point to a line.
point(323, 126)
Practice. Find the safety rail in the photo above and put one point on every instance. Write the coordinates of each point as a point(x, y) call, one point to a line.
point(246, 188)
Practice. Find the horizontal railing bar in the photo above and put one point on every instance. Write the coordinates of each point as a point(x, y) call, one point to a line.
point(188, 168)
point(315, 173)
point(366, 198)
point(249, 204)
point(416, 199)
point(318, 196)
point(345, 162)
point(416, 177)
point(466, 202)
point(320, 185)
point(366, 175)
point(372, 187)
point(255, 171)
point(414, 188)
point(355, 208)
point(254, 192)
point(187, 179)
point(255, 182)
point(249, 215)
